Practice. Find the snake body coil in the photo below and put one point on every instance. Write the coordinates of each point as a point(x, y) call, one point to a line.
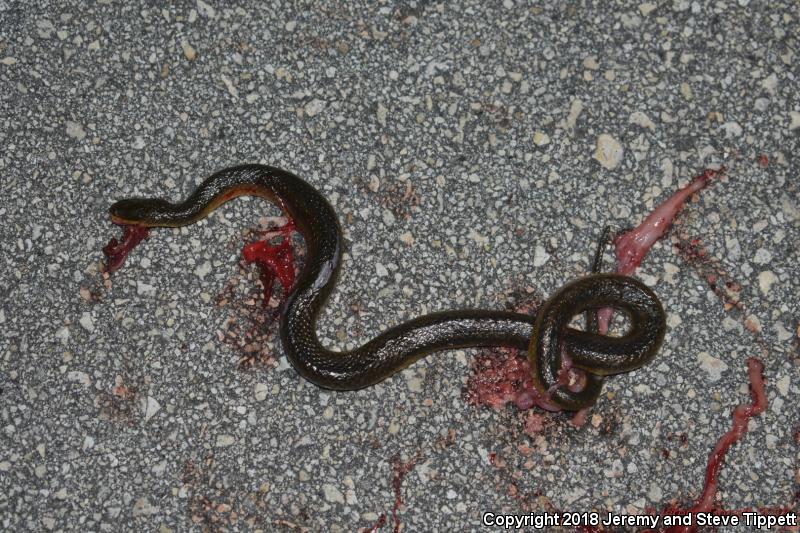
point(544, 335)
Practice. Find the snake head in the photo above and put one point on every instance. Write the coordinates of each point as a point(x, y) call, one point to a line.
point(139, 211)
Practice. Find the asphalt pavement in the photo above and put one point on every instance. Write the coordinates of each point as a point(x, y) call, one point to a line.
point(473, 152)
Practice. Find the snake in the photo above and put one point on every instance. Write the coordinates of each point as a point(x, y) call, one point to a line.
point(546, 335)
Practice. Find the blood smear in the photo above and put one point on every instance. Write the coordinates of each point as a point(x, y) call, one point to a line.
point(741, 416)
point(116, 252)
point(632, 247)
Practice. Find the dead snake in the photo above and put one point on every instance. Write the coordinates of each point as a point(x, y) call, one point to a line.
point(544, 335)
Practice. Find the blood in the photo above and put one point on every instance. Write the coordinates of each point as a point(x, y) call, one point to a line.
point(632, 247)
point(580, 418)
point(741, 416)
point(250, 329)
point(400, 470)
point(534, 423)
point(691, 250)
point(379, 524)
point(501, 377)
point(275, 261)
point(116, 252)
point(763, 160)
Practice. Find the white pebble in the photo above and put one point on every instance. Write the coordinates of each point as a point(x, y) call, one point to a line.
point(590, 62)
point(225, 440)
point(540, 256)
point(206, 9)
point(382, 113)
point(62, 334)
point(794, 120)
point(770, 83)
point(144, 289)
point(713, 366)
point(641, 119)
point(765, 281)
point(260, 391)
point(762, 257)
point(540, 138)
point(232, 90)
point(149, 407)
point(75, 130)
point(86, 322)
point(202, 270)
point(188, 51)
point(332, 494)
point(79, 377)
point(732, 129)
point(783, 385)
point(646, 8)
point(314, 107)
point(609, 151)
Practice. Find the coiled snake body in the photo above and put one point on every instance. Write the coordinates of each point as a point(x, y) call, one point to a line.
point(544, 335)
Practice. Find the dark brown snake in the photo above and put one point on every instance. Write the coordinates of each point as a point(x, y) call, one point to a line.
point(544, 335)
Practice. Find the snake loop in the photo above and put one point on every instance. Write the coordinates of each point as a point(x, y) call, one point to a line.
point(598, 355)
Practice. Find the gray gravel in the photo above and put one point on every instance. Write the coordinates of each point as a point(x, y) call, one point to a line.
point(458, 143)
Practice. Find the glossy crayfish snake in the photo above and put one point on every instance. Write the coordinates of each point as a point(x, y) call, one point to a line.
point(546, 336)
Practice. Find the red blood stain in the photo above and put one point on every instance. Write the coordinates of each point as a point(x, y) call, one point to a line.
point(741, 416)
point(632, 247)
point(691, 250)
point(763, 160)
point(379, 524)
point(400, 470)
point(534, 423)
point(116, 252)
point(529, 500)
point(580, 418)
point(503, 376)
point(275, 262)
point(250, 328)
